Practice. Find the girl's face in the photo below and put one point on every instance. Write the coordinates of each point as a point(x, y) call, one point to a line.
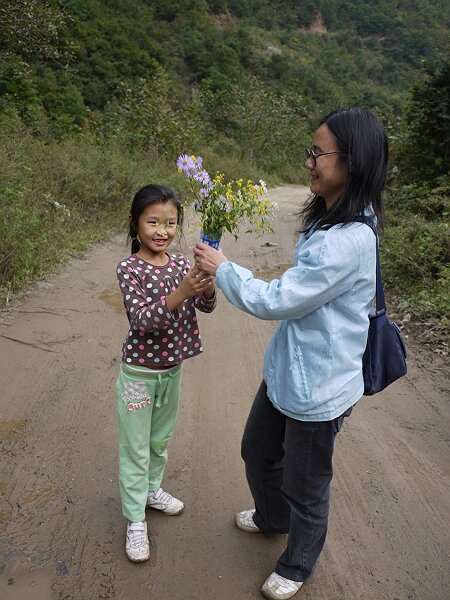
point(156, 229)
point(328, 174)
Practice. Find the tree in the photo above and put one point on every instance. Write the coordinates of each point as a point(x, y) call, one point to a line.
point(148, 114)
point(31, 38)
point(268, 127)
point(425, 152)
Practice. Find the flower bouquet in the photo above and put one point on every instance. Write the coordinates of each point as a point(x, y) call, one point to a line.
point(226, 205)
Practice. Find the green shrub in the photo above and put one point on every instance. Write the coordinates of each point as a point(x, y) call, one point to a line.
point(57, 197)
point(415, 250)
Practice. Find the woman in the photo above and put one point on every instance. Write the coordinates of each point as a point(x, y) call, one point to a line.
point(312, 372)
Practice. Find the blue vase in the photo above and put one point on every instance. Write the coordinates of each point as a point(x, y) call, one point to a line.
point(212, 239)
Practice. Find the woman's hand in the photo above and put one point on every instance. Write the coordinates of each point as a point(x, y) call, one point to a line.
point(208, 259)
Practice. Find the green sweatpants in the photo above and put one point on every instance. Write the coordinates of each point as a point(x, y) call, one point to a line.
point(147, 407)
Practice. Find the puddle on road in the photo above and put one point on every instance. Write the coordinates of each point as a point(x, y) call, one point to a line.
point(268, 273)
point(34, 585)
point(41, 501)
point(113, 298)
point(10, 430)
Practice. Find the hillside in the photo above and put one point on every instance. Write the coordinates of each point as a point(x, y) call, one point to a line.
point(79, 52)
point(100, 96)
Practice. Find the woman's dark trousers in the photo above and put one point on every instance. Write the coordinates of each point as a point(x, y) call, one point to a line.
point(288, 464)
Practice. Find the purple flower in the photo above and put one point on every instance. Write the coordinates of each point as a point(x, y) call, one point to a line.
point(203, 193)
point(186, 164)
point(203, 177)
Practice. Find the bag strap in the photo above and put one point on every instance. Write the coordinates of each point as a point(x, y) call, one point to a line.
point(380, 303)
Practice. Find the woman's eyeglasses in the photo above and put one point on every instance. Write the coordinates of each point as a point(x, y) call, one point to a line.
point(314, 156)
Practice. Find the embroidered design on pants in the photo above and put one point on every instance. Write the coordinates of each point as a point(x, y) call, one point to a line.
point(135, 396)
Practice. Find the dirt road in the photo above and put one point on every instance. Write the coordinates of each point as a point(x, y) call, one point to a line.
point(62, 531)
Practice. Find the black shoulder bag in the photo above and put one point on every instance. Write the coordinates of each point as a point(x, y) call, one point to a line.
point(384, 359)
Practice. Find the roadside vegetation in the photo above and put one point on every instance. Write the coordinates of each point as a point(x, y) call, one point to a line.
point(97, 98)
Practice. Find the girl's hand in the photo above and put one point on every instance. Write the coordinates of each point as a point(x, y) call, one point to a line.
point(195, 282)
point(208, 259)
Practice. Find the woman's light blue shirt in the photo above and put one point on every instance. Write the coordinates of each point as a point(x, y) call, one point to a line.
point(313, 363)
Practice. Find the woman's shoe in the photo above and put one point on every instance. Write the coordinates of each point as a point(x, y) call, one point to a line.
point(277, 587)
point(244, 520)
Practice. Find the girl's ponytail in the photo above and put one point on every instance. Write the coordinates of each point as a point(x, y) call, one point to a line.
point(133, 236)
point(135, 245)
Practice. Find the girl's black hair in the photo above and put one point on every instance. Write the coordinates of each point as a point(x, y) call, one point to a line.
point(147, 195)
point(363, 146)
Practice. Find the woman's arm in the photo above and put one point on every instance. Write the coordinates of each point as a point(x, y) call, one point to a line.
point(327, 266)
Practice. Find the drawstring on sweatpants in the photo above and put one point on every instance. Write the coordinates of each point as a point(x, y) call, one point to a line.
point(164, 398)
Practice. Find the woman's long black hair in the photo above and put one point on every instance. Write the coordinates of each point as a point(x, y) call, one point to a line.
point(150, 194)
point(363, 146)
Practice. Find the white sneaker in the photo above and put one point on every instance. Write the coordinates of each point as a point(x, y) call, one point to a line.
point(137, 547)
point(277, 587)
point(244, 520)
point(163, 501)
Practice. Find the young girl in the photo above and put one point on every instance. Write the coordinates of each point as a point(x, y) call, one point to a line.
point(160, 293)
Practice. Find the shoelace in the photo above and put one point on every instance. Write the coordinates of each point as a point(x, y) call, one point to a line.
point(137, 536)
point(163, 497)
